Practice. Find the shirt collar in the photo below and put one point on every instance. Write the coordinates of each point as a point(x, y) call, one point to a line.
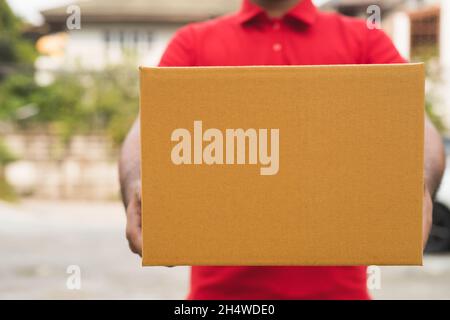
point(305, 11)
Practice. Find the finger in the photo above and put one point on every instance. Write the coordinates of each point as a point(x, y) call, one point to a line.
point(138, 191)
point(138, 203)
point(427, 216)
point(133, 228)
point(134, 240)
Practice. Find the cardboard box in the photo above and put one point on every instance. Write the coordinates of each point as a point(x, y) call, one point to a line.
point(346, 185)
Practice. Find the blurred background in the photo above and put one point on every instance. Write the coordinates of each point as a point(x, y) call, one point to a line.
point(69, 93)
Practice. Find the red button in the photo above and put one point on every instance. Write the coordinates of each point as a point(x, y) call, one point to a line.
point(277, 47)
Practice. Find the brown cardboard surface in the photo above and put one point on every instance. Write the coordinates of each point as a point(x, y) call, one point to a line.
point(348, 190)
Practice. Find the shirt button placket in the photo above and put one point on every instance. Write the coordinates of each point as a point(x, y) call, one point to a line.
point(277, 47)
point(276, 26)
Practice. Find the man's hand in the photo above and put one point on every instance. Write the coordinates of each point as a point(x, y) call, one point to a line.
point(427, 215)
point(134, 223)
point(433, 171)
point(130, 186)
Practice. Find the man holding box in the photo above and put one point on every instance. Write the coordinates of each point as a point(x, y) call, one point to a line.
point(276, 32)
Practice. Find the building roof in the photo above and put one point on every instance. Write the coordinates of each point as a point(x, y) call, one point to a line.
point(144, 10)
point(360, 5)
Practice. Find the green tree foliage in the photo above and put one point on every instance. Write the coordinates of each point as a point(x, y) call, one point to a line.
point(6, 156)
point(6, 191)
point(113, 100)
point(86, 102)
point(434, 118)
point(83, 102)
point(14, 49)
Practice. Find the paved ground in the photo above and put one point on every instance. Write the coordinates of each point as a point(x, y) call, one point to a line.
point(39, 240)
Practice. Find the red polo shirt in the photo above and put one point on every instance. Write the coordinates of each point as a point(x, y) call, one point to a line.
point(304, 36)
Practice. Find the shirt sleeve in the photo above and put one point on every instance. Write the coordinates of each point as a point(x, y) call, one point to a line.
point(380, 49)
point(180, 51)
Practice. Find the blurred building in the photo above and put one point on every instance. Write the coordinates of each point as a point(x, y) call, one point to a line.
point(112, 29)
point(414, 25)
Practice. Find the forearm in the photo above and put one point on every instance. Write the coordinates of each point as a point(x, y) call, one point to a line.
point(434, 158)
point(130, 164)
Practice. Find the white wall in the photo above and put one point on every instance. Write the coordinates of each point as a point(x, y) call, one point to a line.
point(445, 33)
point(89, 48)
point(86, 168)
point(401, 26)
point(445, 59)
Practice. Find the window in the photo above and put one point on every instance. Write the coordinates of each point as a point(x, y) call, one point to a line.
point(107, 37)
point(425, 26)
